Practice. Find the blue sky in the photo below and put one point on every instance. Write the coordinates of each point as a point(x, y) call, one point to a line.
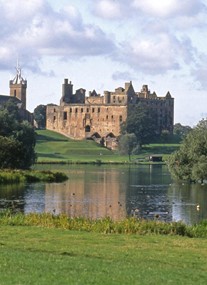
point(101, 44)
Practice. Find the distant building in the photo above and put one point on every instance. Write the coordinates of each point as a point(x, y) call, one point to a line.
point(99, 117)
point(18, 93)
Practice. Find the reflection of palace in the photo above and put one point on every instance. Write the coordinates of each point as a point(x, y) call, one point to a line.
point(97, 192)
point(103, 199)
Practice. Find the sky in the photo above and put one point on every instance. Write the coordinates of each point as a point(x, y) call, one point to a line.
point(101, 44)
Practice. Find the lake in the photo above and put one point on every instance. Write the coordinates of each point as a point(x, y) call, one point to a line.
point(145, 191)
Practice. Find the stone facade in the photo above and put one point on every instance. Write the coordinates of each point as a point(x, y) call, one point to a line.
point(18, 93)
point(99, 117)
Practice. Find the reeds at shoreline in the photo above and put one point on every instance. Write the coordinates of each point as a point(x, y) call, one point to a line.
point(30, 176)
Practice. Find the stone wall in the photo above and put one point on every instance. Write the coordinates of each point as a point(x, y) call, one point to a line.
point(84, 121)
point(100, 117)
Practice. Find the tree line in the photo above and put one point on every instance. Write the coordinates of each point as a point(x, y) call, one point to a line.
point(140, 128)
point(190, 161)
point(17, 138)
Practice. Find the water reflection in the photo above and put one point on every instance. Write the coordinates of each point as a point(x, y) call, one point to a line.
point(117, 192)
point(94, 193)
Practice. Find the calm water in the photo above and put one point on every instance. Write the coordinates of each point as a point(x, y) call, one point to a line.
point(115, 191)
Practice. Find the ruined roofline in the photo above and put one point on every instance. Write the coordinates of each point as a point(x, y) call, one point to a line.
point(123, 91)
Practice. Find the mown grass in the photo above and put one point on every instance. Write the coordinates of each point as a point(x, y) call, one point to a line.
point(34, 255)
point(29, 176)
point(52, 147)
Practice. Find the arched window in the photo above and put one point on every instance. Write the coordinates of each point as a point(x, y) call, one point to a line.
point(87, 129)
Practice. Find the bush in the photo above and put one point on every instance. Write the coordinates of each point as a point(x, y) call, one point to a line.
point(30, 176)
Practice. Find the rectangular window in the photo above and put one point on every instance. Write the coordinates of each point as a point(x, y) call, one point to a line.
point(99, 110)
point(81, 110)
point(65, 116)
point(93, 109)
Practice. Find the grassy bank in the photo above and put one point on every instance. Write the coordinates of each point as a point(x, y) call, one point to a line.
point(107, 226)
point(32, 255)
point(29, 176)
point(52, 147)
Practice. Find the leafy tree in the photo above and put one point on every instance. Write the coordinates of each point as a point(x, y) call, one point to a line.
point(165, 136)
point(127, 144)
point(26, 136)
point(190, 161)
point(40, 116)
point(180, 131)
point(17, 139)
point(10, 152)
point(141, 121)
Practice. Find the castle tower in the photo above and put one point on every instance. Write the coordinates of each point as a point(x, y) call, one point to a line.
point(18, 87)
point(67, 92)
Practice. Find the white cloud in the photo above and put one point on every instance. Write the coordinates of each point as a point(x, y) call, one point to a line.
point(157, 8)
point(154, 55)
point(11, 9)
point(168, 8)
point(33, 29)
point(108, 9)
point(199, 72)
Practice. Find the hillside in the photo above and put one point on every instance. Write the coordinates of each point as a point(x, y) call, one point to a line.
point(53, 147)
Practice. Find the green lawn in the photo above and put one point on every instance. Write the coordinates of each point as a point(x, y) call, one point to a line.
point(32, 255)
point(54, 147)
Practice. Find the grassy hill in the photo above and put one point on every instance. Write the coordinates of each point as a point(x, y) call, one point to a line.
point(53, 147)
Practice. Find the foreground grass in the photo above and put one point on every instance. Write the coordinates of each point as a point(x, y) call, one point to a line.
point(31, 255)
point(52, 147)
point(29, 176)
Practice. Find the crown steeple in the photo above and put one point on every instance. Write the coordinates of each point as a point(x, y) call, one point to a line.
point(18, 79)
point(18, 86)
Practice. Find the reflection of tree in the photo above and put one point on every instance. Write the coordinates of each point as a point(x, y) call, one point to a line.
point(185, 198)
point(12, 191)
point(147, 191)
point(114, 191)
point(12, 197)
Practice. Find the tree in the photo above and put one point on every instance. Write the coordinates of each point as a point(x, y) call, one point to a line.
point(180, 131)
point(26, 136)
point(141, 121)
point(165, 136)
point(17, 139)
point(190, 161)
point(10, 152)
point(40, 116)
point(127, 143)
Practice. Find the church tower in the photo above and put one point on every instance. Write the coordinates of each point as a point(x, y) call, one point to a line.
point(18, 87)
